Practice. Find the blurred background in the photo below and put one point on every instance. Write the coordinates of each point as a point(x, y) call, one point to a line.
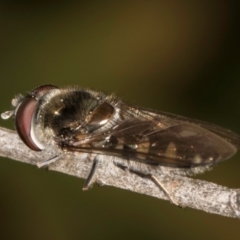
point(175, 56)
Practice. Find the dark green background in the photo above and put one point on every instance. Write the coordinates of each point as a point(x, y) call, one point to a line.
point(177, 56)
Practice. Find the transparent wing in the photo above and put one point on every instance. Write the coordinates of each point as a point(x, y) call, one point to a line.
point(222, 132)
point(161, 139)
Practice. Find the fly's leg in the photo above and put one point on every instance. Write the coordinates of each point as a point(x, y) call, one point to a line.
point(153, 178)
point(159, 184)
point(89, 180)
point(47, 162)
point(119, 165)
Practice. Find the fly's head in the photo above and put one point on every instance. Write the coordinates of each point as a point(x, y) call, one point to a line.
point(24, 114)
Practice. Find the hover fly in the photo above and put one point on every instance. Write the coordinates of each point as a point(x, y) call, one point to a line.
point(78, 120)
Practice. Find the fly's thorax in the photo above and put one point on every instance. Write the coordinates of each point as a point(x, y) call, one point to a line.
point(66, 114)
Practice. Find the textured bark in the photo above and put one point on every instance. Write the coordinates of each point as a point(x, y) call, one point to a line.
point(188, 192)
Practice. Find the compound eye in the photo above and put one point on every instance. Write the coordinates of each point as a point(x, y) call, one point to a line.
point(25, 111)
point(23, 122)
point(38, 92)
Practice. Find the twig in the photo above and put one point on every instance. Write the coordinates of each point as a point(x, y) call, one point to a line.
point(188, 192)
